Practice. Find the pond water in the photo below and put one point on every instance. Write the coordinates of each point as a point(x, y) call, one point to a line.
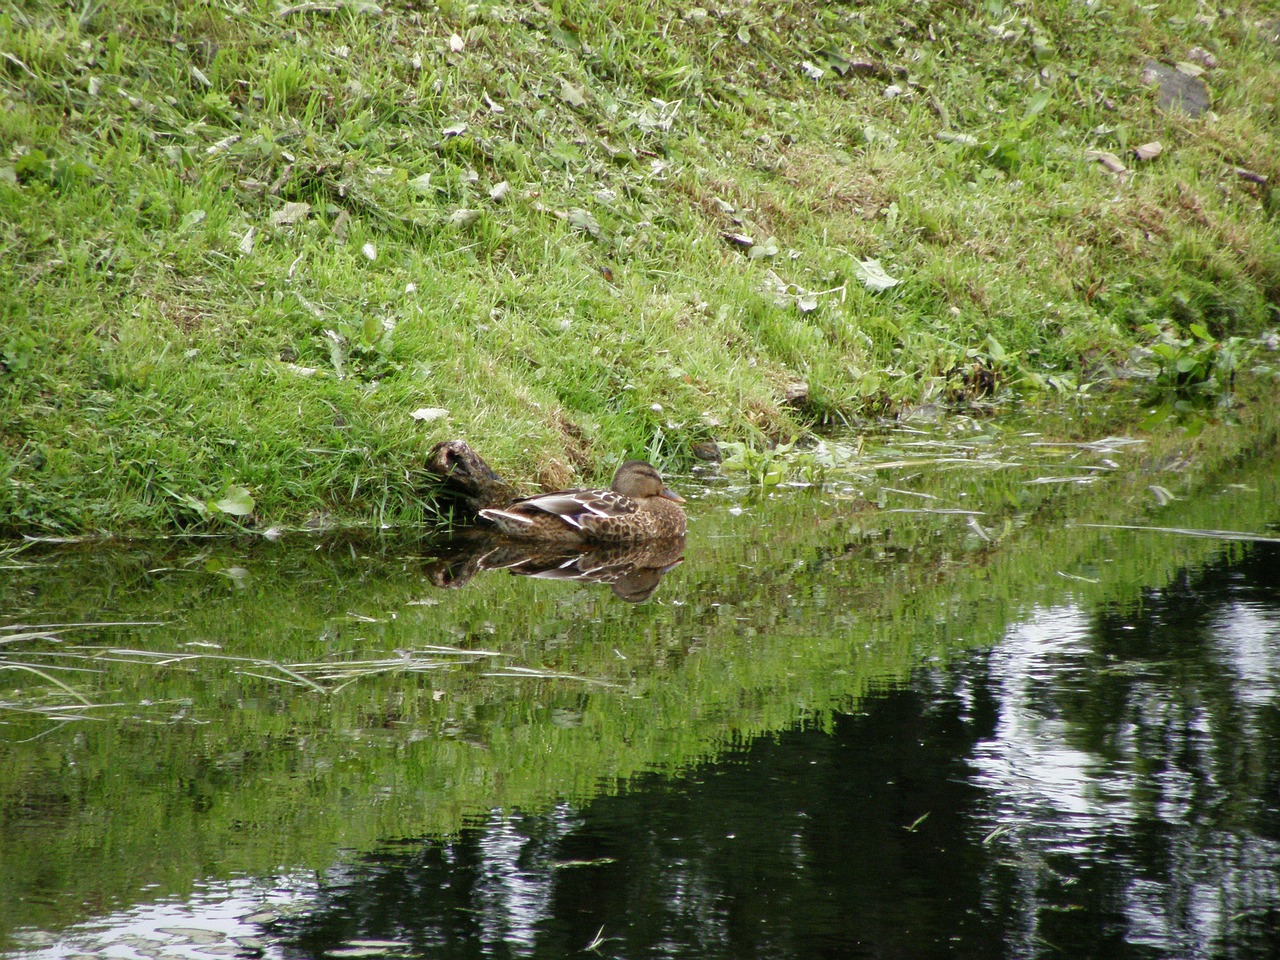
point(927, 697)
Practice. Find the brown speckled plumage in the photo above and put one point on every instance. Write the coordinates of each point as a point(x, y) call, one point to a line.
point(638, 506)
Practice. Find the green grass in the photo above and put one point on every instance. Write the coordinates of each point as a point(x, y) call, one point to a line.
point(170, 328)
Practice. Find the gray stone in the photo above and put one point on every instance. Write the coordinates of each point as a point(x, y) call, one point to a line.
point(1178, 91)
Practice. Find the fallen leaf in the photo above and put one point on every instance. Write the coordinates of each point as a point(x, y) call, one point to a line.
point(499, 191)
point(738, 239)
point(583, 220)
point(356, 6)
point(572, 95)
point(1149, 151)
point(812, 72)
point(245, 245)
point(456, 44)
point(427, 414)
point(961, 139)
point(370, 251)
point(290, 213)
point(873, 275)
point(337, 352)
point(454, 130)
point(464, 217)
point(1251, 176)
point(1108, 160)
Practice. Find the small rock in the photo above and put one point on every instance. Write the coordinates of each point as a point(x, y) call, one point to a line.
point(1177, 90)
point(796, 393)
point(707, 450)
point(1201, 56)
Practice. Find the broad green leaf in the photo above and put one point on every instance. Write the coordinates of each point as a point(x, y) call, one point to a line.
point(236, 501)
point(767, 248)
point(1037, 104)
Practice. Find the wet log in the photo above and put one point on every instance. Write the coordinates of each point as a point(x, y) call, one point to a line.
point(466, 479)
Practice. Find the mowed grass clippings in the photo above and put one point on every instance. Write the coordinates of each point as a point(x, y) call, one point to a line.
point(259, 257)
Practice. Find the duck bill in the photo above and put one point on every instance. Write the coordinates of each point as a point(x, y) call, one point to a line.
point(672, 495)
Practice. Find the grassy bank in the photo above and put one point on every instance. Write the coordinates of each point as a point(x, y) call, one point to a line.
point(245, 243)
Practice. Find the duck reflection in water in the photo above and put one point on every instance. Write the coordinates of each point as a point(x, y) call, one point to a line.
point(631, 570)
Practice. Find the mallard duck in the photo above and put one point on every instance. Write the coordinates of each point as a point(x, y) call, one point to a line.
point(638, 506)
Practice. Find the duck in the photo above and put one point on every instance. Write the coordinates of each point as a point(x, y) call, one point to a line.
point(637, 506)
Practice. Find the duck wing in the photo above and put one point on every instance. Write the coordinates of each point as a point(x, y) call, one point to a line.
point(571, 504)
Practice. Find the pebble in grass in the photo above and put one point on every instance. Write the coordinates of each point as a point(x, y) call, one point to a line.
point(1178, 90)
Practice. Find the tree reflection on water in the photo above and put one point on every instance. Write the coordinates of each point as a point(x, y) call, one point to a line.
point(1137, 751)
point(1097, 785)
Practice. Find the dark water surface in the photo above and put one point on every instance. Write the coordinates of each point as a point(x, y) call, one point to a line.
point(840, 728)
